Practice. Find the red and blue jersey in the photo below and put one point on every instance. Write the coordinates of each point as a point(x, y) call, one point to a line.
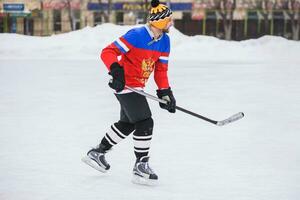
point(140, 55)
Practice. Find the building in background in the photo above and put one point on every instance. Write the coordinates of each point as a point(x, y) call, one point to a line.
point(18, 16)
point(226, 19)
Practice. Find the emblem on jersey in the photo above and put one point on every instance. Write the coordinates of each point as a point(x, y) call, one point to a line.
point(147, 69)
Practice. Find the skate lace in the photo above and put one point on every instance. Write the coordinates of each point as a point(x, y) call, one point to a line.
point(148, 168)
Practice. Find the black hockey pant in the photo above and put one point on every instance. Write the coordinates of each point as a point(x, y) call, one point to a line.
point(135, 116)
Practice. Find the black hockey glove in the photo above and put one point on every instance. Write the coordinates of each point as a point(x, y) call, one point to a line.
point(118, 81)
point(167, 94)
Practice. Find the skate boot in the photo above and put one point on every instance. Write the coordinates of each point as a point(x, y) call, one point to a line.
point(143, 174)
point(96, 159)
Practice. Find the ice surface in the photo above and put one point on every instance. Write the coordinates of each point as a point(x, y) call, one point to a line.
point(55, 104)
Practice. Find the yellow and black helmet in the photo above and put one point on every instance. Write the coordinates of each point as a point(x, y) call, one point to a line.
point(160, 14)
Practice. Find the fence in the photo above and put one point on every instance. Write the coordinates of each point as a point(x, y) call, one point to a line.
point(252, 26)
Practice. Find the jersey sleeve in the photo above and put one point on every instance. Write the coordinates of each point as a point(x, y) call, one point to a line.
point(120, 46)
point(161, 68)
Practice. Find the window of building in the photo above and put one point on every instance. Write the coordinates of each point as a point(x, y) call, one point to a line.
point(211, 26)
point(188, 26)
point(141, 17)
point(97, 18)
point(252, 29)
point(76, 14)
point(28, 26)
point(120, 18)
point(1, 24)
point(279, 23)
point(57, 20)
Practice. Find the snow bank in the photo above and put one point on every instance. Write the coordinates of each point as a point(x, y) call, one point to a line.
point(52, 111)
point(88, 42)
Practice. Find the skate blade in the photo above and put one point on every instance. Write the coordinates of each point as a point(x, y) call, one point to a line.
point(93, 164)
point(143, 181)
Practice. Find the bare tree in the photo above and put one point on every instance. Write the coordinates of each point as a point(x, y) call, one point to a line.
point(146, 11)
point(225, 9)
point(265, 8)
point(71, 14)
point(110, 4)
point(293, 11)
point(105, 14)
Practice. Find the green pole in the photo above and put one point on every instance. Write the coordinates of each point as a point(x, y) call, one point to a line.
point(47, 22)
point(5, 24)
point(246, 26)
point(272, 25)
point(259, 23)
point(285, 27)
point(217, 25)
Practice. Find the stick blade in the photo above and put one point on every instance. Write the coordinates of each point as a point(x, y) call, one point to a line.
point(231, 119)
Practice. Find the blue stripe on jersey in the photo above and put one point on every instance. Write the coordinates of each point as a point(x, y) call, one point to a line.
point(139, 38)
point(119, 47)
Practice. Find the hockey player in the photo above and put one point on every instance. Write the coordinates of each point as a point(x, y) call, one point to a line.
point(143, 50)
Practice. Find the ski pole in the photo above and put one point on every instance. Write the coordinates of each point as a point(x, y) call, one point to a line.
point(228, 120)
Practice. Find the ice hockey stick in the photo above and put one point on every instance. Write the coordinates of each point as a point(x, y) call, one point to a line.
point(228, 120)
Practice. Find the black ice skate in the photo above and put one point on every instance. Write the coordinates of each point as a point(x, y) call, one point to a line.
point(143, 174)
point(96, 159)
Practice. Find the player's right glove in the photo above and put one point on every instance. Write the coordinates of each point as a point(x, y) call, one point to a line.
point(118, 81)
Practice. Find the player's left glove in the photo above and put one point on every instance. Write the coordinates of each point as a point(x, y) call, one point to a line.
point(167, 94)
